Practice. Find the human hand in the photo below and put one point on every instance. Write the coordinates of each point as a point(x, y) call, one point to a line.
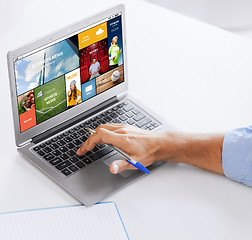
point(141, 145)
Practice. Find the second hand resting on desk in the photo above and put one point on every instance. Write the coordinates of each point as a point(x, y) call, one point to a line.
point(127, 158)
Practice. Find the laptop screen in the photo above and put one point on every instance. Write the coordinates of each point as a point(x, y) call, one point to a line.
point(65, 73)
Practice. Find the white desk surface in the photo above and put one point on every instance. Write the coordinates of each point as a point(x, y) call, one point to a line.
point(195, 75)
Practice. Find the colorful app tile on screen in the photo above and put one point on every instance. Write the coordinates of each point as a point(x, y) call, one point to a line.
point(88, 89)
point(46, 65)
point(115, 42)
point(92, 35)
point(26, 110)
point(109, 79)
point(97, 53)
point(73, 88)
point(50, 99)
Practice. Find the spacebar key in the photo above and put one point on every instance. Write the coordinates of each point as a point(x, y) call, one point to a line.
point(101, 153)
point(143, 122)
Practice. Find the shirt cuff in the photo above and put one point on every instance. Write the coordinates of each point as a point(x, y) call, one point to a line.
point(237, 155)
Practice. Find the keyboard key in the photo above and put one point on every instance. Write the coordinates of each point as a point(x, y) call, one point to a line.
point(151, 127)
point(70, 145)
point(93, 119)
point(74, 135)
point(102, 121)
point(95, 149)
point(48, 157)
point(71, 131)
point(40, 152)
point(71, 153)
point(76, 128)
point(128, 107)
point(138, 117)
point(89, 153)
point(129, 114)
point(101, 153)
point(66, 172)
point(123, 118)
point(73, 168)
point(81, 132)
point(48, 142)
point(87, 122)
point(75, 149)
point(54, 140)
point(143, 122)
point(63, 165)
point(83, 138)
point(77, 142)
point(64, 156)
point(130, 121)
point(68, 139)
point(65, 134)
point(42, 145)
point(120, 105)
point(116, 121)
point(120, 111)
point(94, 125)
point(63, 149)
point(59, 137)
point(74, 159)
point(80, 164)
point(81, 157)
point(113, 115)
point(135, 111)
point(86, 161)
point(36, 148)
point(56, 161)
point(56, 152)
point(108, 119)
point(47, 149)
point(61, 142)
point(109, 111)
point(82, 125)
point(101, 146)
point(54, 146)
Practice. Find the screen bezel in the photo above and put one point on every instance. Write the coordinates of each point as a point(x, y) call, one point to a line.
point(23, 137)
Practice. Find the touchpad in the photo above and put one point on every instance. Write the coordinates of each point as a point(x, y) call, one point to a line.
point(119, 156)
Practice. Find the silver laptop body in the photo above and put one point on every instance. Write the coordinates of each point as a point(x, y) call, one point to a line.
point(34, 90)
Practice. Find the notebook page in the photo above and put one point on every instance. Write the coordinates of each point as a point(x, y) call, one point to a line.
point(101, 221)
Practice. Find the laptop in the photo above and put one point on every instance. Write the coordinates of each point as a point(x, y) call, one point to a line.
point(66, 81)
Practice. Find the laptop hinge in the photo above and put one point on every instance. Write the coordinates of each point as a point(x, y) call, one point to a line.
point(74, 120)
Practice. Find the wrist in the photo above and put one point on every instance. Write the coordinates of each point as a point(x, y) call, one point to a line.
point(170, 147)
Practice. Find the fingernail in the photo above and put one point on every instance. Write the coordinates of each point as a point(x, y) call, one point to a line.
point(78, 152)
point(115, 167)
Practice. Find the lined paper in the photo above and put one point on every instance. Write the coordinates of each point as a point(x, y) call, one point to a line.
point(101, 221)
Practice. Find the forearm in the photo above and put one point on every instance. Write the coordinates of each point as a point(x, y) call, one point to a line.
point(201, 150)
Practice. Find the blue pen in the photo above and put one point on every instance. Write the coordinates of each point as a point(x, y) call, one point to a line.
point(127, 158)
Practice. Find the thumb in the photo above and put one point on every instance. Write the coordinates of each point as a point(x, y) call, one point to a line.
point(119, 166)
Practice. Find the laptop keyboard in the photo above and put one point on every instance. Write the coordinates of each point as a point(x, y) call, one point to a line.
point(60, 151)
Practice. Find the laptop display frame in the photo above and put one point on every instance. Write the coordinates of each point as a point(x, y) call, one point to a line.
point(26, 136)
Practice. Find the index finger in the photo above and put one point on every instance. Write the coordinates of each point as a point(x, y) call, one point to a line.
point(101, 136)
